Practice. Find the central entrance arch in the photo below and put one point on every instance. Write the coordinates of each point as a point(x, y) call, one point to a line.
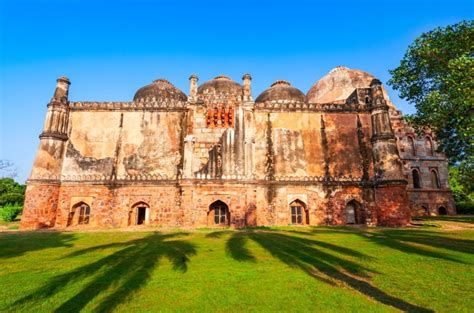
point(218, 214)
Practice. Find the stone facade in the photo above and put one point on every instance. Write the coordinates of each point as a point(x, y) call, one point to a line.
point(340, 154)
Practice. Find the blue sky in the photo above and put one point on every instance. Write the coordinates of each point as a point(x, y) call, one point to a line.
point(109, 49)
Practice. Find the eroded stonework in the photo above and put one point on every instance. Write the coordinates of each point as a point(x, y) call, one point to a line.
point(342, 154)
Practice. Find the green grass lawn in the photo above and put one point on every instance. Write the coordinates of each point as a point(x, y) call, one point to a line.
point(424, 268)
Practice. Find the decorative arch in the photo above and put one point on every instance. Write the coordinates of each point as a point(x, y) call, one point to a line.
point(442, 210)
point(79, 214)
point(299, 212)
point(429, 146)
point(354, 213)
point(415, 173)
point(435, 179)
point(218, 214)
point(139, 213)
point(411, 145)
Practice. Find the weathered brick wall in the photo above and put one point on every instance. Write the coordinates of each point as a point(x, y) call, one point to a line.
point(392, 207)
point(108, 143)
point(419, 152)
point(40, 207)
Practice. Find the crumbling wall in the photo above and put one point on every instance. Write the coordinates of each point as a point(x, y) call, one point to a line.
point(120, 144)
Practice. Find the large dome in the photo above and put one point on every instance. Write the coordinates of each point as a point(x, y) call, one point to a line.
point(338, 84)
point(160, 89)
point(220, 85)
point(281, 90)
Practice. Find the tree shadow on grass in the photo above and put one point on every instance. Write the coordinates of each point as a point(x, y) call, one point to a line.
point(310, 256)
point(413, 241)
point(19, 243)
point(422, 242)
point(123, 272)
point(469, 219)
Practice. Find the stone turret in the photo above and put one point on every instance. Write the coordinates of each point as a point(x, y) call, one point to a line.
point(387, 163)
point(44, 182)
point(390, 185)
point(247, 88)
point(193, 81)
point(56, 122)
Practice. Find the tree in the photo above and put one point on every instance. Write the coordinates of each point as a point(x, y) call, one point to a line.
point(11, 192)
point(7, 169)
point(437, 76)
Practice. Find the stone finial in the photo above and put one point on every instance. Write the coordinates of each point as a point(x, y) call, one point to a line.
point(62, 89)
point(193, 79)
point(247, 87)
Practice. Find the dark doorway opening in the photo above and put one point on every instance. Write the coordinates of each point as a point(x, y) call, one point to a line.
point(141, 215)
point(354, 213)
point(442, 210)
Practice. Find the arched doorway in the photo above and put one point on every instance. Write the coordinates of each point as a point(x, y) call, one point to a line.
point(139, 214)
point(442, 210)
point(218, 214)
point(299, 213)
point(354, 213)
point(79, 214)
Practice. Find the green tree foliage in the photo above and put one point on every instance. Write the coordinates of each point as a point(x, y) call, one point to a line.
point(437, 76)
point(11, 192)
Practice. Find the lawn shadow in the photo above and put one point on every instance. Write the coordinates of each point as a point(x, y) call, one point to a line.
point(450, 218)
point(124, 271)
point(422, 242)
point(310, 256)
point(10, 246)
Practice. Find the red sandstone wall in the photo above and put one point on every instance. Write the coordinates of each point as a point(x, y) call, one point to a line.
point(40, 207)
point(392, 205)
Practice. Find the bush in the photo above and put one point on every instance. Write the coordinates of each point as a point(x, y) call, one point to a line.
point(465, 207)
point(9, 212)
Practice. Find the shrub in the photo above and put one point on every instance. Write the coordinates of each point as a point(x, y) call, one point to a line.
point(9, 212)
point(465, 207)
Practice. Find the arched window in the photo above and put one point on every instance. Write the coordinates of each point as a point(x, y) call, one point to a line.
point(442, 210)
point(139, 214)
point(416, 178)
point(354, 213)
point(79, 214)
point(411, 145)
point(299, 213)
point(426, 210)
point(435, 179)
point(219, 214)
point(367, 100)
point(429, 146)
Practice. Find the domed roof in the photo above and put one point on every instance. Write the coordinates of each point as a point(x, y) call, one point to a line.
point(338, 84)
point(281, 90)
point(160, 89)
point(220, 84)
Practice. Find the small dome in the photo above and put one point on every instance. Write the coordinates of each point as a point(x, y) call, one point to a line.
point(160, 89)
point(338, 84)
point(220, 84)
point(281, 90)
